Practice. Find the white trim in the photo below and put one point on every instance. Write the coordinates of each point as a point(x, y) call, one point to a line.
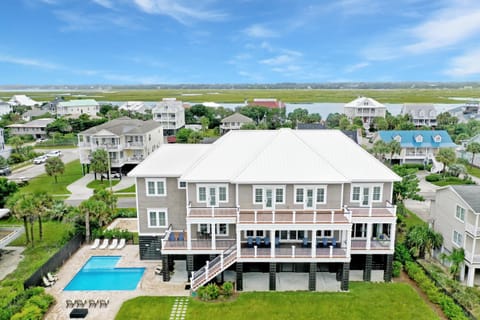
point(156, 193)
point(179, 182)
point(274, 194)
point(464, 212)
point(157, 211)
point(371, 187)
point(199, 229)
point(461, 236)
point(207, 187)
point(324, 188)
point(226, 234)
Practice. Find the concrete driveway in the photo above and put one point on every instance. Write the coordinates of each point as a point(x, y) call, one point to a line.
point(427, 191)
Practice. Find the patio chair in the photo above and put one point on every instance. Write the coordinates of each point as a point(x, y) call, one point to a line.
point(258, 241)
point(181, 237)
point(46, 283)
point(325, 242)
point(305, 242)
point(92, 303)
point(277, 241)
point(266, 241)
point(95, 244)
point(114, 244)
point(250, 242)
point(51, 277)
point(104, 244)
point(80, 303)
point(104, 303)
point(171, 237)
point(158, 270)
point(334, 242)
point(69, 303)
point(122, 243)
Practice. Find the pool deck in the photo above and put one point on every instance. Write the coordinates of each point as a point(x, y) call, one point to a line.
point(149, 285)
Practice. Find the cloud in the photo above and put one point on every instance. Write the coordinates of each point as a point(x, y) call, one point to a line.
point(259, 31)
point(104, 3)
point(83, 22)
point(446, 28)
point(278, 60)
point(465, 65)
point(183, 11)
point(28, 62)
point(356, 67)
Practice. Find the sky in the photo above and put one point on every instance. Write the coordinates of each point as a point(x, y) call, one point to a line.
point(237, 41)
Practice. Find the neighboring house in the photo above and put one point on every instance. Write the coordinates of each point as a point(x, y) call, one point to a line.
point(462, 150)
point(267, 103)
point(466, 112)
point(422, 114)
point(22, 100)
point(355, 135)
point(35, 112)
point(170, 113)
point(456, 215)
point(37, 128)
point(128, 141)
point(417, 146)
point(5, 108)
point(51, 106)
point(310, 201)
point(133, 106)
point(365, 108)
point(234, 122)
point(78, 107)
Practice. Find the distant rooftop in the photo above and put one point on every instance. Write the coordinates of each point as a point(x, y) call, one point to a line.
point(78, 103)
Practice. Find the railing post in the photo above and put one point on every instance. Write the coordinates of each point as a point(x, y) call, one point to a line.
point(221, 261)
point(331, 251)
point(294, 216)
point(315, 216)
point(255, 216)
point(206, 270)
point(255, 251)
point(332, 218)
point(273, 216)
point(192, 280)
point(213, 212)
point(370, 210)
point(293, 251)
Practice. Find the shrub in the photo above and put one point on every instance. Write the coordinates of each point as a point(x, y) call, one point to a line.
point(227, 289)
point(213, 291)
point(397, 268)
point(402, 254)
point(434, 177)
point(126, 213)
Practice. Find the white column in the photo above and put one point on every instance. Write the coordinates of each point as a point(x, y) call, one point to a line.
point(471, 276)
point(272, 243)
point(213, 233)
point(349, 242)
point(239, 244)
point(189, 236)
point(369, 235)
point(393, 230)
point(314, 243)
point(462, 272)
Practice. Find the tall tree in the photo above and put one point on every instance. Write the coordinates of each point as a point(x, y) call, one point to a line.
point(43, 203)
point(474, 148)
point(394, 147)
point(110, 200)
point(380, 147)
point(16, 142)
point(23, 207)
point(91, 209)
point(456, 258)
point(408, 188)
point(99, 161)
point(421, 240)
point(447, 157)
point(54, 166)
point(7, 188)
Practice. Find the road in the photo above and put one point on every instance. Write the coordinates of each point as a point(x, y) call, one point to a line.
point(34, 170)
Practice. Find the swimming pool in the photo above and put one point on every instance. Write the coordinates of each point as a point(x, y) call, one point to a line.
point(100, 273)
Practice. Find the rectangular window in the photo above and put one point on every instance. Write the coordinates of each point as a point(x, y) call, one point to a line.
point(356, 194)
point(222, 194)
point(460, 213)
point(320, 195)
point(377, 194)
point(457, 238)
point(182, 185)
point(258, 195)
point(299, 195)
point(157, 218)
point(156, 187)
point(279, 195)
point(222, 229)
point(202, 194)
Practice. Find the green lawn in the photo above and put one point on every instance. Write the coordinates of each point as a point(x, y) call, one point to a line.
point(98, 184)
point(130, 189)
point(473, 171)
point(364, 301)
point(43, 182)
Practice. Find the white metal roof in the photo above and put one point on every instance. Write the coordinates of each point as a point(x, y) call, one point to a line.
point(170, 160)
point(362, 102)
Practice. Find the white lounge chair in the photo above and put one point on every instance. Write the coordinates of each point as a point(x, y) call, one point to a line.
point(95, 244)
point(51, 277)
point(46, 283)
point(104, 244)
point(114, 244)
point(122, 243)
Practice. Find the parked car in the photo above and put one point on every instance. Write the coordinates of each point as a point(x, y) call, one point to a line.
point(113, 175)
point(5, 171)
point(42, 140)
point(40, 159)
point(54, 153)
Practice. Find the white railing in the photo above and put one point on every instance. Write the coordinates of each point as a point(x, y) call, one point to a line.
point(213, 268)
point(470, 228)
point(15, 232)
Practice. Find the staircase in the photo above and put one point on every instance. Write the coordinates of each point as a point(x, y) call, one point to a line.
point(213, 268)
point(436, 166)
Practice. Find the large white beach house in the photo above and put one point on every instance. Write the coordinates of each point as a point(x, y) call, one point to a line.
point(306, 201)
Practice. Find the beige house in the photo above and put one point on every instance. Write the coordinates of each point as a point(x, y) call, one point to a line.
point(128, 141)
point(366, 108)
point(268, 201)
point(234, 122)
point(37, 128)
point(76, 108)
point(456, 215)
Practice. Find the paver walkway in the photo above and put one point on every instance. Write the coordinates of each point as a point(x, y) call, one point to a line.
point(79, 188)
point(179, 309)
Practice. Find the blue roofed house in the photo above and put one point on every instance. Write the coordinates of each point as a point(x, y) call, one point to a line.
point(417, 145)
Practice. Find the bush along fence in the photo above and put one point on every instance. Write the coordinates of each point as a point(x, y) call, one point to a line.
point(55, 261)
point(435, 294)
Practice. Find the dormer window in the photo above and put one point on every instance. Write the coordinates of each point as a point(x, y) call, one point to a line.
point(437, 138)
point(433, 114)
point(398, 138)
point(421, 113)
point(419, 138)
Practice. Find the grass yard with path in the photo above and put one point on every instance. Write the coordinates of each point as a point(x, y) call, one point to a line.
point(364, 301)
point(43, 182)
point(99, 184)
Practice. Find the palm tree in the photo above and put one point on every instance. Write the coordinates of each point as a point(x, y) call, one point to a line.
point(91, 209)
point(110, 200)
point(421, 240)
point(99, 162)
point(393, 147)
point(43, 203)
point(15, 204)
point(54, 166)
point(380, 147)
point(447, 157)
point(456, 258)
point(474, 148)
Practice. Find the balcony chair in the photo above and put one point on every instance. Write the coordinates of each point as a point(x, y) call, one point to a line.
point(250, 242)
point(305, 242)
point(181, 237)
point(258, 241)
point(277, 242)
point(171, 237)
point(266, 241)
point(334, 242)
point(325, 242)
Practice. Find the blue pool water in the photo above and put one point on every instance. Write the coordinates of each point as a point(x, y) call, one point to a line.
point(99, 273)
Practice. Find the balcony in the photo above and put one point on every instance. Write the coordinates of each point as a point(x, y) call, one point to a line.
point(472, 258)
point(293, 217)
point(134, 145)
point(375, 244)
point(211, 212)
point(108, 146)
point(470, 228)
point(382, 212)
